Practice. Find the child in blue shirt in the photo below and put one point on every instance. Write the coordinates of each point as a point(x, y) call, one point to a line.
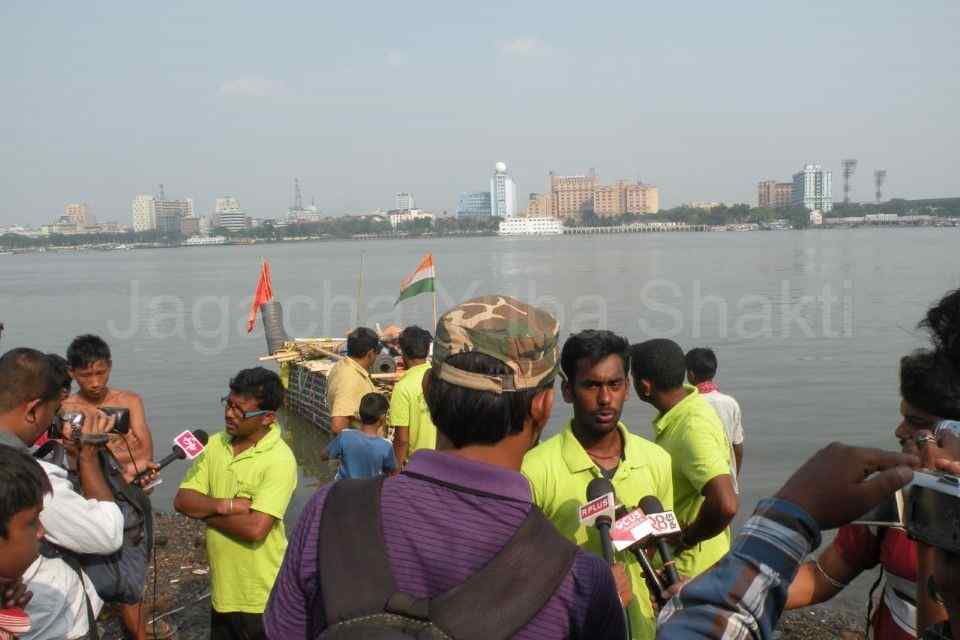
point(363, 452)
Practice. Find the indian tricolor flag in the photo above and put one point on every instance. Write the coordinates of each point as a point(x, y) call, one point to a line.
point(420, 281)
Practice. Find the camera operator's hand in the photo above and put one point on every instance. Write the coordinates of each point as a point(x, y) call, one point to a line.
point(94, 431)
point(834, 488)
point(14, 594)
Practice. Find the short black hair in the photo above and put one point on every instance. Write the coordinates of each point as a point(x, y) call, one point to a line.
point(373, 406)
point(595, 345)
point(415, 342)
point(261, 384)
point(27, 375)
point(930, 378)
point(467, 416)
point(702, 362)
point(86, 350)
point(360, 341)
point(23, 483)
point(60, 366)
point(660, 361)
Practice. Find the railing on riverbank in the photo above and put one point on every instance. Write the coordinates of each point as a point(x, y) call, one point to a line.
point(637, 227)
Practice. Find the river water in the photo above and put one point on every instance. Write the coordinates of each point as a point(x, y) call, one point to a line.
point(808, 325)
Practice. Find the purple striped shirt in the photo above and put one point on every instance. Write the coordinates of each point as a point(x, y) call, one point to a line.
point(437, 536)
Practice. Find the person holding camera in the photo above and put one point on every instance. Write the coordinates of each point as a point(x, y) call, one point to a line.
point(930, 393)
point(89, 523)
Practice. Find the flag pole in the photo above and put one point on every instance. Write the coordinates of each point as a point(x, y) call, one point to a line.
point(360, 289)
point(434, 296)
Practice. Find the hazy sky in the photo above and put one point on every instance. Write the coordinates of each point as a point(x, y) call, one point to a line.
point(101, 101)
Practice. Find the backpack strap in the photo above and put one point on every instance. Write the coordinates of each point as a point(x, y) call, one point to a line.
point(352, 563)
point(501, 598)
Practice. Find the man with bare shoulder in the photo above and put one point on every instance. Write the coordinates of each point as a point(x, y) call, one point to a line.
point(90, 363)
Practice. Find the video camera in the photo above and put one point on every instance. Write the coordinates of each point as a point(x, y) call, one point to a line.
point(72, 422)
point(933, 504)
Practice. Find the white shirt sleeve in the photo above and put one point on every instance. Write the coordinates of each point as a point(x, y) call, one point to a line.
point(76, 523)
point(737, 429)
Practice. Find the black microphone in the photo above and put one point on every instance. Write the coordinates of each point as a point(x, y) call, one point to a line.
point(599, 487)
point(177, 453)
point(651, 505)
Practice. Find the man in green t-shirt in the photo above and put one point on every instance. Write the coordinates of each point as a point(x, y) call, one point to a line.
point(704, 497)
point(240, 487)
point(409, 415)
point(595, 443)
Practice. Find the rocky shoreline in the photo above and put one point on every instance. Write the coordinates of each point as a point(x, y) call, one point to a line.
point(179, 592)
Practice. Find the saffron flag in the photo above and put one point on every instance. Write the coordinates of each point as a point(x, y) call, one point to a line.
point(420, 281)
point(264, 294)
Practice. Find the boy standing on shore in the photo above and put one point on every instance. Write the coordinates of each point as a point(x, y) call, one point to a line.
point(90, 363)
point(240, 487)
point(364, 452)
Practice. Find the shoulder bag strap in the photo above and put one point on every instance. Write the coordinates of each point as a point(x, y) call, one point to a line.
point(501, 598)
point(354, 571)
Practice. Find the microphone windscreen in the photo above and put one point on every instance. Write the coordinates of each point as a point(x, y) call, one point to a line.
point(650, 504)
point(598, 487)
point(201, 435)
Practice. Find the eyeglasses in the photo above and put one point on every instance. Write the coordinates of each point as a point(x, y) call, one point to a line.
point(244, 415)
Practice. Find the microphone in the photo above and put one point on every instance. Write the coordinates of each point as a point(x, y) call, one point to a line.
point(654, 508)
point(599, 512)
point(629, 532)
point(188, 444)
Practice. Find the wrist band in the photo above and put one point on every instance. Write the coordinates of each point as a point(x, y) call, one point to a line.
point(836, 584)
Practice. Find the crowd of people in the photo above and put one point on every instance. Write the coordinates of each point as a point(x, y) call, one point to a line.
point(466, 525)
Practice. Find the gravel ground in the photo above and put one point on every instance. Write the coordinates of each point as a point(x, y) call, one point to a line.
point(182, 587)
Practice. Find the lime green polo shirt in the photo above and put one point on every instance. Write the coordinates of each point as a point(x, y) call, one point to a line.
point(242, 573)
point(559, 471)
point(408, 408)
point(691, 432)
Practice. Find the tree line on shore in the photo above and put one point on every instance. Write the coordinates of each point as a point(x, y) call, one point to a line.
point(353, 226)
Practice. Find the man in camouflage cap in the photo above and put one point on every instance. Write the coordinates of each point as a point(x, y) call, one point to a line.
point(490, 394)
point(522, 337)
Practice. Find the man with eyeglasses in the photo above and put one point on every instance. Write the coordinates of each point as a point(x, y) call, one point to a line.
point(240, 487)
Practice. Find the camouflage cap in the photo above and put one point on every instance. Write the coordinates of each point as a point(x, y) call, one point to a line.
point(520, 336)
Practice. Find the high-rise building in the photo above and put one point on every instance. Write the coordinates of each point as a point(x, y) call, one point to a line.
point(170, 213)
point(144, 213)
point(538, 206)
point(774, 195)
point(813, 189)
point(79, 214)
point(229, 215)
point(503, 193)
point(474, 203)
point(641, 198)
point(572, 196)
point(405, 202)
point(190, 227)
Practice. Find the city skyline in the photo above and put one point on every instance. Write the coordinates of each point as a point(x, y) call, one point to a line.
point(704, 117)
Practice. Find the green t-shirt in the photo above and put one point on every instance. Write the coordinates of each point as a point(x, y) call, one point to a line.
point(693, 435)
point(242, 573)
point(408, 408)
point(559, 471)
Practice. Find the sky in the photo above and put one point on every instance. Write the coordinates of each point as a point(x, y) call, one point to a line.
point(102, 101)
